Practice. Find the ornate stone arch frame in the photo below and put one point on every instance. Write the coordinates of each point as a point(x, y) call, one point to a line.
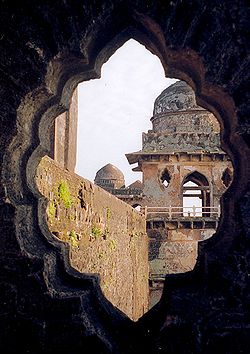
point(40, 107)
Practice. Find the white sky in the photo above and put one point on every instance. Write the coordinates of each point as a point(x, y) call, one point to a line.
point(116, 109)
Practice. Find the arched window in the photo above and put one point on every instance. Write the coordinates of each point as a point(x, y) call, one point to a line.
point(165, 178)
point(196, 195)
point(137, 207)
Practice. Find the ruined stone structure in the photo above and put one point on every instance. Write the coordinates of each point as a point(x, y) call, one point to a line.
point(182, 147)
point(47, 48)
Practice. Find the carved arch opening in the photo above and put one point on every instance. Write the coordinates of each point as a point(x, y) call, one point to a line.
point(196, 186)
point(62, 78)
point(165, 178)
point(137, 206)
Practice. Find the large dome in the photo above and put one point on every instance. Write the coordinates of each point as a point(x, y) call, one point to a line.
point(109, 176)
point(176, 111)
point(179, 125)
point(177, 97)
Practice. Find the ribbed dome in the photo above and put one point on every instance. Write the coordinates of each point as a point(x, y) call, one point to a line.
point(109, 177)
point(176, 111)
point(109, 171)
point(177, 97)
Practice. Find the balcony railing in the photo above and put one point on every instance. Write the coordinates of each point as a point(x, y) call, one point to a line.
point(178, 212)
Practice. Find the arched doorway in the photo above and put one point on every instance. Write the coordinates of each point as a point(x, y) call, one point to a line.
point(196, 195)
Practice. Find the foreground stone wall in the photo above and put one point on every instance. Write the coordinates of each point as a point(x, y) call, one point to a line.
point(106, 235)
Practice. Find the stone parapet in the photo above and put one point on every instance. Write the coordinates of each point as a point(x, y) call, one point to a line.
point(106, 235)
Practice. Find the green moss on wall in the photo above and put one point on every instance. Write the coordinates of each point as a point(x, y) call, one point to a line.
point(51, 210)
point(73, 239)
point(96, 232)
point(106, 233)
point(64, 194)
point(112, 245)
point(108, 213)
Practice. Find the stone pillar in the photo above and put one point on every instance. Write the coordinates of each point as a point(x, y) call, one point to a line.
point(65, 136)
point(71, 136)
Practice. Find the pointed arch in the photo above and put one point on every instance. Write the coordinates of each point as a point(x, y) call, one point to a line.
point(165, 177)
point(137, 206)
point(196, 188)
point(196, 177)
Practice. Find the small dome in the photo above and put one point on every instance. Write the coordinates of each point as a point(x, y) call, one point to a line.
point(177, 97)
point(109, 177)
point(109, 171)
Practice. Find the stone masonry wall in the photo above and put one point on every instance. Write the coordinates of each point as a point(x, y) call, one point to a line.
point(174, 251)
point(106, 235)
point(156, 194)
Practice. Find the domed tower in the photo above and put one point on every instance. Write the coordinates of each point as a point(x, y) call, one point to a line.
point(109, 178)
point(185, 172)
